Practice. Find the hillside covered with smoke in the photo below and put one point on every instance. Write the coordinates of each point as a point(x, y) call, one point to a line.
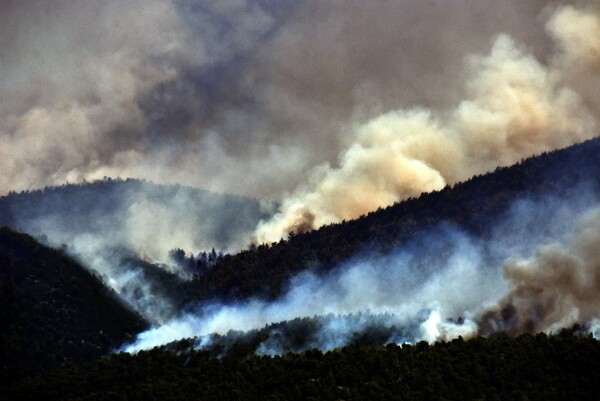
point(125, 231)
point(381, 273)
point(515, 198)
point(505, 253)
point(397, 173)
point(150, 219)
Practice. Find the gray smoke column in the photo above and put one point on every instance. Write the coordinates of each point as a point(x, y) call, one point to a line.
point(73, 72)
point(514, 106)
point(309, 102)
point(87, 83)
point(557, 287)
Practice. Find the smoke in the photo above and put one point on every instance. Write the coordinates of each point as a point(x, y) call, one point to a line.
point(401, 287)
point(556, 287)
point(515, 106)
point(133, 283)
point(249, 96)
point(73, 85)
point(81, 76)
point(123, 231)
point(535, 271)
point(336, 108)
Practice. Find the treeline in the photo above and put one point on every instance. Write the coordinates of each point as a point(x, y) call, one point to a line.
point(563, 367)
point(474, 206)
point(194, 266)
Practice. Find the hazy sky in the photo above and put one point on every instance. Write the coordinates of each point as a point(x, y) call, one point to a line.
point(292, 99)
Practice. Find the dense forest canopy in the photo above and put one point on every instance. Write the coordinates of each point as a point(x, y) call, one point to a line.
point(563, 367)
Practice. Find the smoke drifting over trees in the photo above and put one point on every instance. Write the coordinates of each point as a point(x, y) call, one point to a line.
point(558, 286)
point(112, 226)
point(333, 109)
point(514, 106)
point(535, 271)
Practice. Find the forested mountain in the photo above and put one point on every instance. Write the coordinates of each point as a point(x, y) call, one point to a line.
point(474, 206)
point(104, 208)
point(53, 312)
point(446, 251)
point(410, 205)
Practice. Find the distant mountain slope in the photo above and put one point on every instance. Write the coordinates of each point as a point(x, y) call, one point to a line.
point(474, 206)
point(136, 213)
point(53, 312)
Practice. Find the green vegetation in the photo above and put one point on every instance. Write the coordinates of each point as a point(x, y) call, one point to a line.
point(564, 367)
point(53, 312)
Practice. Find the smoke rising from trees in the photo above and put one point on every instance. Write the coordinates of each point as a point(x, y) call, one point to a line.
point(530, 274)
point(514, 107)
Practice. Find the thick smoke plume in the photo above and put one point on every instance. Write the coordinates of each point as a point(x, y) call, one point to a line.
point(536, 271)
point(388, 99)
point(557, 287)
point(515, 106)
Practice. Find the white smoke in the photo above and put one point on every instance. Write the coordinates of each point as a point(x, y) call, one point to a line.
point(393, 287)
point(428, 285)
point(114, 227)
point(515, 107)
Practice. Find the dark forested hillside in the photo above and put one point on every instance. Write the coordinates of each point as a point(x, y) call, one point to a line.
point(265, 269)
point(53, 312)
point(473, 206)
point(563, 367)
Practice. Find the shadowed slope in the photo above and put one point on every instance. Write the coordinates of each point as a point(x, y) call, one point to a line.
point(53, 312)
